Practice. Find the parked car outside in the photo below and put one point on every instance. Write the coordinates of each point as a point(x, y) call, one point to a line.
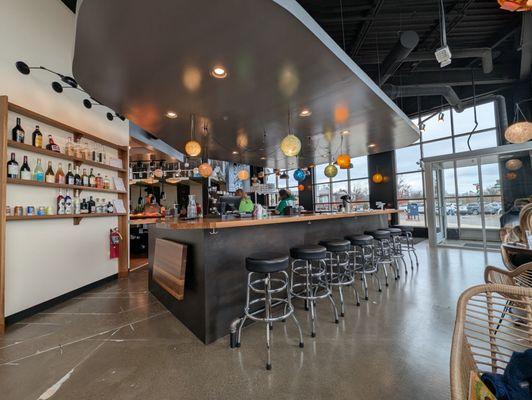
point(473, 208)
point(463, 209)
point(492, 208)
point(450, 208)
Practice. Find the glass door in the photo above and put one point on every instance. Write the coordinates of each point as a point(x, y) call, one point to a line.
point(439, 204)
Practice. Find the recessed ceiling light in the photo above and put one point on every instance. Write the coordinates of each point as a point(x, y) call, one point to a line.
point(171, 114)
point(371, 145)
point(345, 132)
point(305, 112)
point(219, 72)
point(263, 158)
point(235, 152)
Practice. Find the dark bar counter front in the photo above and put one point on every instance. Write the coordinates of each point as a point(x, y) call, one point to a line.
point(215, 280)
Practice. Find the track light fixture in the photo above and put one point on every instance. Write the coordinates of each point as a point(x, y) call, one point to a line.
point(111, 116)
point(25, 69)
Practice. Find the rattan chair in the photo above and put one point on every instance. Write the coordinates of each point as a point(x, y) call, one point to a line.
point(521, 276)
point(487, 332)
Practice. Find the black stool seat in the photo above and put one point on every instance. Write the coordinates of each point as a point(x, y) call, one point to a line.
point(394, 231)
point(405, 228)
point(360, 240)
point(266, 263)
point(379, 234)
point(308, 252)
point(336, 245)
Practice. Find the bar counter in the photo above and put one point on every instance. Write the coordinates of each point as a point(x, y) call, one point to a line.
point(217, 247)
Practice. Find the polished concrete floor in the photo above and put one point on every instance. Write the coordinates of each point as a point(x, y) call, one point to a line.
point(118, 342)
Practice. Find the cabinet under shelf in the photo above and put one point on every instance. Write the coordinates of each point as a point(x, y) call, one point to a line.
point(61, 186)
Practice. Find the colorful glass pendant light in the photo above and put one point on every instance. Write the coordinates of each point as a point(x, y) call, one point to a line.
point(300, 187)
point(291, 145)
point(299, 175)
point(243, 175)
point(520, 132)
point(377, 177)
point(192, 147)
point(343, 161)
point(205, 170)
point(330, 171)
point(513, 164)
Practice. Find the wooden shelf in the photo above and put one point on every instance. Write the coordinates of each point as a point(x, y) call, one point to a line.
point(77, 161)
point(61, 186)
point(76, 217)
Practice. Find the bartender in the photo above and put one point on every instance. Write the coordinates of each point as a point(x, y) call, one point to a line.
point(151, 206)
point(287, 200)
point(246, 205)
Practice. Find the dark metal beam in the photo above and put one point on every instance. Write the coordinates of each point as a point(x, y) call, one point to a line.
point(361, 36)
point(526, 45)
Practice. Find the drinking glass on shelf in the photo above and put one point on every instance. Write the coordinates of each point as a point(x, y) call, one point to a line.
point(69, 148)
point(77, 149)
point(86, 151)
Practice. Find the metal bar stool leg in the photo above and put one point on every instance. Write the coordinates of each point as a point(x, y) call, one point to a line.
point(267, 295)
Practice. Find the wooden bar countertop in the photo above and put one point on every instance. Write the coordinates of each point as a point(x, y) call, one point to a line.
point(233, 222)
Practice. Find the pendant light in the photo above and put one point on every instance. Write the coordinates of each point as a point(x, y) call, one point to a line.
point(513, 164)
point(192, 147)
point(330, 171)
point(519, 132)
point(243, 175)
point(299, 175)
point(290, 145)
point(205, 169)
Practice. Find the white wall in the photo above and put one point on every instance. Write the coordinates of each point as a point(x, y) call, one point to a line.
point(48, 258)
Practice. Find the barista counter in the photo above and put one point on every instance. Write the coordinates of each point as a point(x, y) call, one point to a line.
point(216, 250)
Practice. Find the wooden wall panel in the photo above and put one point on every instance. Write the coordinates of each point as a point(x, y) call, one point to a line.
point(3, 183)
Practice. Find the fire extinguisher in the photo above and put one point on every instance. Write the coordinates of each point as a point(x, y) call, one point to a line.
point(114, 243)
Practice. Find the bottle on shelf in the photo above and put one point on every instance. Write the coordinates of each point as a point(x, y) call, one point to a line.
point(37, 137)
point(106, 182)
point(52, 146)
point(99, 181)
point(84, 207)
point(94, 153)
point(69, 148)
point(76, 205)
point(25, 171)
point(86, 151)
point(12, 167)
point(17, 133)
point(78, 153)
point(69, 178)
point(60, 203)
point(85, 178)
point(92, 205)
point(92, 178)
point(98, 206)
point(49, 177)
point(110, 208)
point(100, 154)
point(77, 177)
point(38, 172)
point(68, 203)
point(60, 174)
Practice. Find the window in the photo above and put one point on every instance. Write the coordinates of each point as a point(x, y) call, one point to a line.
point(441, 137)
point(353, 182)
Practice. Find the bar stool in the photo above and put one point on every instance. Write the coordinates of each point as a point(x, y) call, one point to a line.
point(342, 273)
point(397, 248)
point(408, 244)
point(313, 273)
point(264, 265)
point(383, 252)
point(364, 259)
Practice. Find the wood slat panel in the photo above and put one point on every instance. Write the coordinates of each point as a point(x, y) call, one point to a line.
point(169, 266)
point(3, 177)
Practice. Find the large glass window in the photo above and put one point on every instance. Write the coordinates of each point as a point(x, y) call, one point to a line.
point(352, 182)
point(441, 136)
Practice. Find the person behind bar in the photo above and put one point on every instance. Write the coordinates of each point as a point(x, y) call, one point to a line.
point(246, 205)
point(286, 200)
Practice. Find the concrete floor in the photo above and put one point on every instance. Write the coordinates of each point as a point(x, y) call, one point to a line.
point(118, 342)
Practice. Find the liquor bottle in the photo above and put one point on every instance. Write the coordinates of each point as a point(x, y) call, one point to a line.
point(37, 137)
point(86, 151)
point(38, 172)
point(25, 171)
point(78, 152)
point(60, 203)
point(106, 183)
point(77, 178)
point(49, 177)
point(92, 179)
point(12, 167)
point(51, 145)
point(69, 178)
point(94, 153)
point(92, 205)
point(84, 207)
point(60, 175)
point(98, 207)
point(69, 148)
point(99, 181)
point(100, 154)
point(110, 208)
point(85, 178)
point(18, 134)
point(68, 203)
point(76, 205)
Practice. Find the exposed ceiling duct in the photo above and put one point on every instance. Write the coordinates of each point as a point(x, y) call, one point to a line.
point(426, 90)
point(407, 42)
point(484, 53)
